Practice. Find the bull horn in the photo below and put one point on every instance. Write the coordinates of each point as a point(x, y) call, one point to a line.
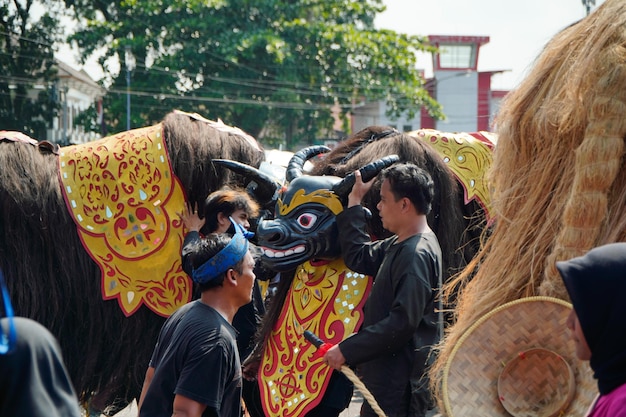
point(266, 190)
point(296, 163)
point(369, 171)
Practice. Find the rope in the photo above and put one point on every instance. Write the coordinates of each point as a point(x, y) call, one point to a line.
point(361, 386)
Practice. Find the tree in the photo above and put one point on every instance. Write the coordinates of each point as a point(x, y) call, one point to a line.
point(27, 60)
point(588, 5)
point(275, 68)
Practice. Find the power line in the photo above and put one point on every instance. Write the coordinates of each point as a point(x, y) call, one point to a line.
point(276, 86)
point(276, 104)
point(234, 81)
point(23, 38)
point(272, 85)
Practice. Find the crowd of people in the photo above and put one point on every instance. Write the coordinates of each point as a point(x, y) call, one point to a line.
point(195, 369)
point(571, 105)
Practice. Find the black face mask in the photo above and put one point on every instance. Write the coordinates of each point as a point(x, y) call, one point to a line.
point(307, 231)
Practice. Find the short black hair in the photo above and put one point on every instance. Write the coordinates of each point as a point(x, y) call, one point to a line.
point(204, 249)
point(410, 181)
point(226, 201)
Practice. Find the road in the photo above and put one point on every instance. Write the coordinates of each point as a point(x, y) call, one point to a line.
point(351, 411)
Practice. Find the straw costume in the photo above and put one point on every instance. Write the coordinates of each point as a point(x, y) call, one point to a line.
point(558, 186)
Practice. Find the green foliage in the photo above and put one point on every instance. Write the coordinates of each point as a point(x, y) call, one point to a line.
point(26, 59)
point(88, 119)
point(274, 68)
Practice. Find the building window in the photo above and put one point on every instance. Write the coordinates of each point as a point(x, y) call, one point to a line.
point(407, 128)
point(457, 56)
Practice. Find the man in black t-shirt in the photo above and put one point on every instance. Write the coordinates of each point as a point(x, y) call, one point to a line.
point(195, 368)
point(221, 206)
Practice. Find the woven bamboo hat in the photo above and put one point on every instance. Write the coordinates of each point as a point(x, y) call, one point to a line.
point(518, 360)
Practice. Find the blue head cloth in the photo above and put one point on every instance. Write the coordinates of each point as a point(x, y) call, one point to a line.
point(7, 341)
point(225, 259)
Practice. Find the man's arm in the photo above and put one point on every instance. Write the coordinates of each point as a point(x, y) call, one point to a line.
point(386, 336)
point(146, 384)
point(359, 253)
point(186, 407)
point(359, 189)
point(412, 294)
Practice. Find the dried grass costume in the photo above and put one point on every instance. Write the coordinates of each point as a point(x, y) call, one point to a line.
point(559, 189)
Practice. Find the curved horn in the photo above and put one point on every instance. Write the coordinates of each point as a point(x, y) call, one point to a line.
point(266, 191)
point(296, 163)
point(369, 171)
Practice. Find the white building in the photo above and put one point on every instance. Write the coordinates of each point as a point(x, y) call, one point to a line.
point(464, 93)
point(76, 92)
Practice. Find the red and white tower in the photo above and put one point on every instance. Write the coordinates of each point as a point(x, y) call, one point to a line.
point(463, 91)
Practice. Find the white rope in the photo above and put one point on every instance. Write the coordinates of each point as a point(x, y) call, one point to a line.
point(361, 386)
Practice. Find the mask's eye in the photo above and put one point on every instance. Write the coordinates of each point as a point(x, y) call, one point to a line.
point(306, 220)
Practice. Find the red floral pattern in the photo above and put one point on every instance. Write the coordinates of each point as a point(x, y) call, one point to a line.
point(123, 196)
point(327, 299)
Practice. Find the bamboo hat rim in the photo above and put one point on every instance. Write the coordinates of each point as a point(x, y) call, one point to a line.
point(471, 373)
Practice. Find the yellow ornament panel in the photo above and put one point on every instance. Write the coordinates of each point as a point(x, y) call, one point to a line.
point(326, 298)
point(123, 197)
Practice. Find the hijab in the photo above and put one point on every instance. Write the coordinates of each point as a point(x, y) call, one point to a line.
point(596, 283)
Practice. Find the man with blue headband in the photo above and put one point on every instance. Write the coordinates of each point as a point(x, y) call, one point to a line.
point(195, 368)
point(215, 217)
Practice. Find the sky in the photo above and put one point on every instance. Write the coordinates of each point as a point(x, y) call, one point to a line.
point(517, 30)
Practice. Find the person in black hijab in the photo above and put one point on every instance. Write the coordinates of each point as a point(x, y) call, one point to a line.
point(596, 283)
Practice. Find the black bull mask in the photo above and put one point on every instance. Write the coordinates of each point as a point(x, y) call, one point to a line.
point(304, 226)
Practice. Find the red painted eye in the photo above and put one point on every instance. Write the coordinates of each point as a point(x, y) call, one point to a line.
point(306, 220)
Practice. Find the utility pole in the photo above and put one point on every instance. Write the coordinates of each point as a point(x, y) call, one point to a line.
point(64, 91)
point(588, 5)
point(130, 65)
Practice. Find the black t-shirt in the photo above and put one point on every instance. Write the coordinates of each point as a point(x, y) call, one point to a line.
point(195, 356)
point(33, 378)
